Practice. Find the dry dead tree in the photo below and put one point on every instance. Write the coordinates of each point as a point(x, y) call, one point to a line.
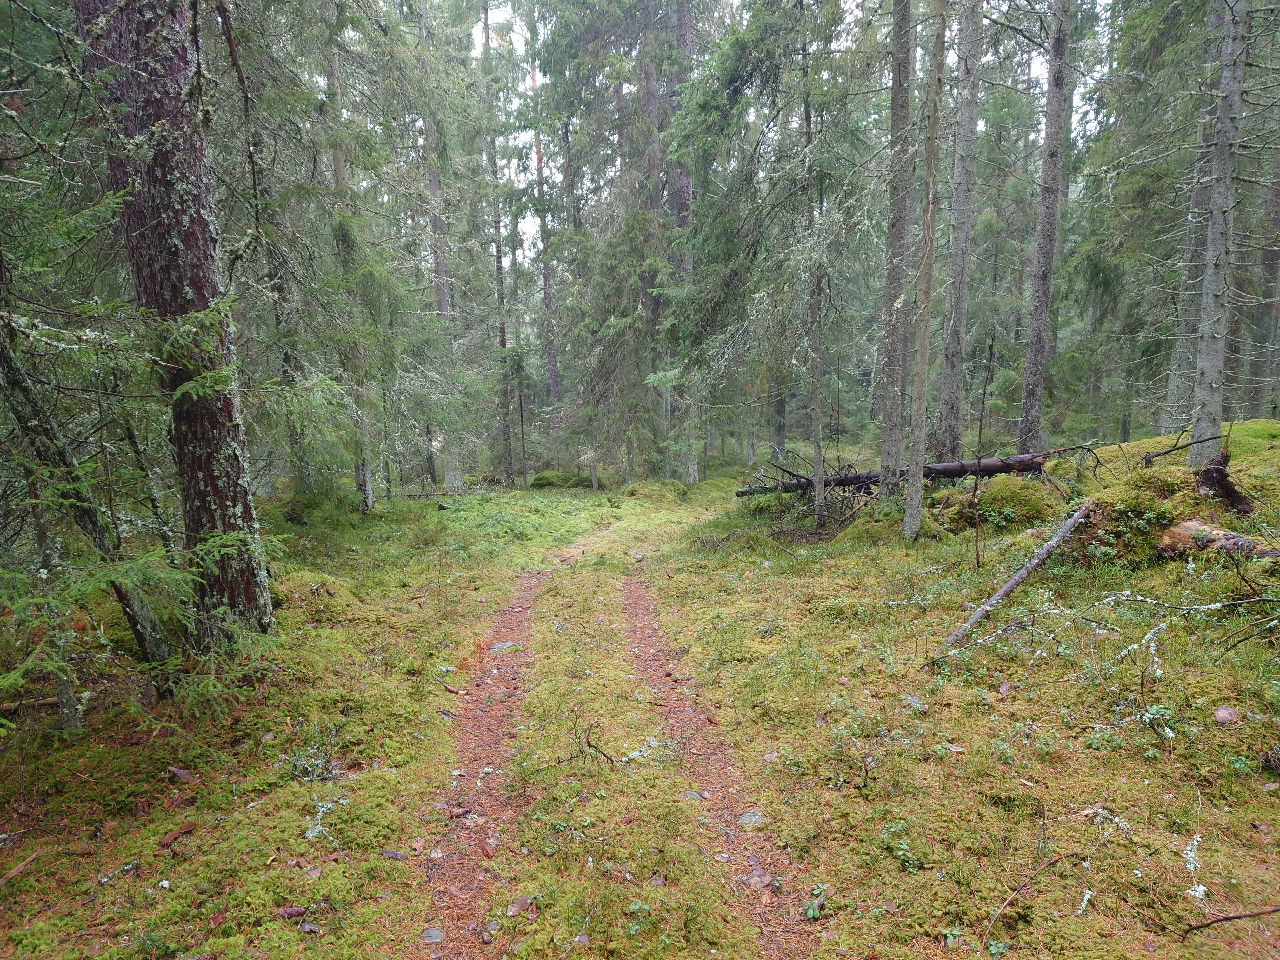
point(1012, 584)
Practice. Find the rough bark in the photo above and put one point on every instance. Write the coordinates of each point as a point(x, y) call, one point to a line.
point(504, 371)
point(549, 344)
point(1031, 433)
point(682, 191)
point(171, 240)
point(947, 434)
point(813, 201)
point(778, 438)
point(42, 534)
point(1270, 305)
point(891, 402)
point(1212, 344)
point(439, 245)
point(913, 513)
point(1176, 410)
point(50, 450)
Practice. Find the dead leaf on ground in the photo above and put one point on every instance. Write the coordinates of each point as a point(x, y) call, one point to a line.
point(173, 835)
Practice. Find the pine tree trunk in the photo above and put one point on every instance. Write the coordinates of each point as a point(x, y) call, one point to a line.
point(947, 434)
point(1212, 345)
point(439, 245)
point(682, 194)
point(891, 403)
point(813, 202)
point(1031, 433)
point(171, 240)
point(913, 514)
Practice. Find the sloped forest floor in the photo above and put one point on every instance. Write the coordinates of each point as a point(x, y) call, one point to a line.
point(658, 723)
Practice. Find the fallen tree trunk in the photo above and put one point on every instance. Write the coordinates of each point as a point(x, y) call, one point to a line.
point(17, 705)
point(953, 470)
point(1013, 582)
point(1194, 535)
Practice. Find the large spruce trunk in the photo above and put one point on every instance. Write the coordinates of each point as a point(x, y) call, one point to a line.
point(890, 401)
point(156, 158)
point(1031, 433)
point(947, 429)
point(1212, 345)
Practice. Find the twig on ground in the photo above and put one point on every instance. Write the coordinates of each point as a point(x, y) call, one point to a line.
point(1265, 911)
point(4, 881)
point(1023, 886)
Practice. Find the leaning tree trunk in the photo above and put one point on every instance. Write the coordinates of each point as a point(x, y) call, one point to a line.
point(955, 326)
point(892, 400)
point(157, 163)
point(1212, 345)
point(1031, 433)
point(52, 453)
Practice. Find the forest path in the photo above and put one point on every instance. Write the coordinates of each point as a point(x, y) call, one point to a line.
point(587, 773)
point(480, 807)
point(765, 883)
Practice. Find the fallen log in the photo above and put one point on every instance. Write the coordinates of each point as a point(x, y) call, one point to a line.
point(1192, 535)
point(953, 470)
point(17, 705)
point(1013, 582)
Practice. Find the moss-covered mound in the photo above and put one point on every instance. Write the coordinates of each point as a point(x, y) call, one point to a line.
point(558, 480)
point(1006, 501)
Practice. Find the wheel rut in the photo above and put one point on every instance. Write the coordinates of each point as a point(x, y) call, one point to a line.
point(479, 807)
point(766, 882)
